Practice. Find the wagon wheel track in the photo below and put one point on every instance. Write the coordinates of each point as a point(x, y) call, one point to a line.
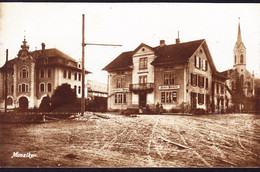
point(220, 151)
point(151, 139)
point(194, 151)
point(239, 141)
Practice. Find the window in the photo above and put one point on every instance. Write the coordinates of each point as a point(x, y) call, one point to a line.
point(193, 79)
point(207, 83)
point(120, 82)
point(75, 76)
point(197, 62)
point(42, 73)
point(204, 65)
point(143, 63)
point(241, 59)
point(69, 74)
point(143, 79)
point(23, 87)
point(201, 99)
point(64, 74)
point(49, 73)
point(217, 87)
point(42, 87)
point(201, 81)
point(120, 98)
point(168, 97)
point(12, 88)
point(235, 59)
point(24, 73)
point(49, 87)
point(79, 89)
point(168, 79)
point(79, 77)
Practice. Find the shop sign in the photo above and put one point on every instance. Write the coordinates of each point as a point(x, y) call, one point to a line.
point(121, 89)
point(168, 87)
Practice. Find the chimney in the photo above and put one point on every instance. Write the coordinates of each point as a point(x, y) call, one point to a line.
point(162, 43)
point(43, 47)
point(178, 39)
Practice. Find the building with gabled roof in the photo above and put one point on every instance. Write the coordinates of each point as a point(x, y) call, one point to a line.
point(34, 75)
point(177, 76)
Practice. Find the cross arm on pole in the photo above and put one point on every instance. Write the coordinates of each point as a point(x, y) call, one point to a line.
point(102, 44)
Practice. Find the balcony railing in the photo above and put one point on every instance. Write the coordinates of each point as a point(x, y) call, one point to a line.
point(148, 87)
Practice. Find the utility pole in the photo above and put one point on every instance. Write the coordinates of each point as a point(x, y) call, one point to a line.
point(83, 61)
point(83, 67)
point(6, 81)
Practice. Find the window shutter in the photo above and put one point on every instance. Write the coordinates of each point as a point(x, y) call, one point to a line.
point(191, 78)
point(195, 60)
point(196, 80)
point(199, 62)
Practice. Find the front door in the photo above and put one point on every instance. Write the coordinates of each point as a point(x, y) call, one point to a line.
point(23, 103)
point(142, 99)
point(193, 100)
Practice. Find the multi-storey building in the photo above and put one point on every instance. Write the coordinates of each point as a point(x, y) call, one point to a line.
point(34, 75)
point(176, 76)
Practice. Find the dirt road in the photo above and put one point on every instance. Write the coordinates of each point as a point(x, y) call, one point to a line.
point(229, 140)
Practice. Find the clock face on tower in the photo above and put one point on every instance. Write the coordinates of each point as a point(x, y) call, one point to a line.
point(241, 51)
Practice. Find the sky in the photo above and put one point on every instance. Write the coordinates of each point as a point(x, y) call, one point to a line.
point(59, 25)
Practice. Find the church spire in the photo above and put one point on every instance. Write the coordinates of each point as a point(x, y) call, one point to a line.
point(239, 37)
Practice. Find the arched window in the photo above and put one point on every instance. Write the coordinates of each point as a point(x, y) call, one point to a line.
point(9, 101)
point(42, 87)
point(49, 87)
point(235, 59)
point(24, 72)
point(241, 59)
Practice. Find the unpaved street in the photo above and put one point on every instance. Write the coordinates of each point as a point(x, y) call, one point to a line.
point(227, 140)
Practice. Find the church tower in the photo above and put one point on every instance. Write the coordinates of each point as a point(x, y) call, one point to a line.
point(239, 53)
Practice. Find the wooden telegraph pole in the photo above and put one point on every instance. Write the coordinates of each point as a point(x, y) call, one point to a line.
point(83, 67)
point(83, 62)
point(6, 81)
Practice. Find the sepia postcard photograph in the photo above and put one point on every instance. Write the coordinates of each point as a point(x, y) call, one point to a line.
point(129, 85)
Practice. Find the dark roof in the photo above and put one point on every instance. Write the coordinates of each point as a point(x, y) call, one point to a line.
point(220, 75)
point(52, 52)
point(123, 61)
point(176, 52)
point(180, 52)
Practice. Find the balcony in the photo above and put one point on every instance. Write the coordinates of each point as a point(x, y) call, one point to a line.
point(146, 87)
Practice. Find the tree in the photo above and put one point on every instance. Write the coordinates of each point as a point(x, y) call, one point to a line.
point(45, 105)
point(238, 95)
point(63, 95)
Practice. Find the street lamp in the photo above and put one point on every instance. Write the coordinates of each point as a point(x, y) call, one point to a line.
point(83, 62)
